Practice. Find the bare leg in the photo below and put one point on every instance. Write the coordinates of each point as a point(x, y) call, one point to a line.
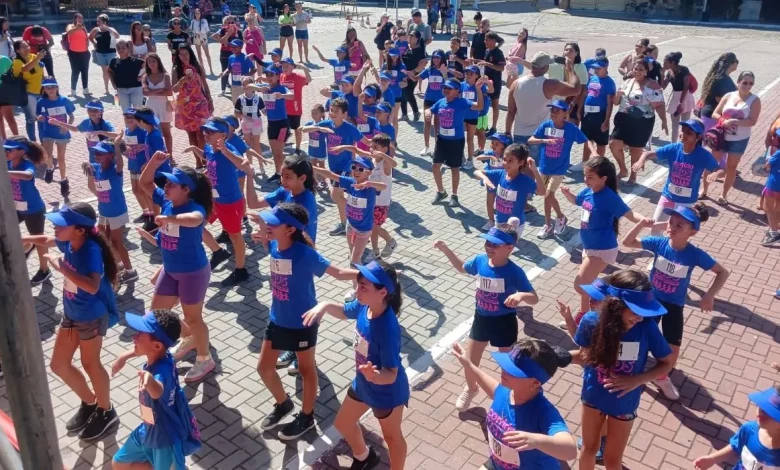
point(65, 346)
point(90, 360)
point(266, 367)
point(394, 437)
point(307, 367)
point(589, 270)
point(347, 423)
point(616, 147)
point(732, 163)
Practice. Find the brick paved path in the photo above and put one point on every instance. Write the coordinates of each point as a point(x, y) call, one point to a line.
point(230, 403)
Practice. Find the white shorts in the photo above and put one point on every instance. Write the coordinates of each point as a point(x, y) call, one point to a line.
point(252, 126)
point(608, 256)
point(114, 222)
point(664, 203)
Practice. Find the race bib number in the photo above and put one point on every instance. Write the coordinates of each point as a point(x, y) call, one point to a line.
point(395, 73)
point(585, 216)
point(502, 452)
point(147, 415)
point(249, 110)
point(506, 194)
point(492, 285)
point(236, 78)
point(314, 143)
point(171, 230)
point(281, 266)
point(435, 79)
point(358, 202)
point(592, 109)
point(131, 140)
point(269, 97)
point(628, 351)
point(57, 111)
point(470, 95)
point(750, 462)
point(361, 345)
point(681, 191)
point(70, 286)
point(214, 193)
point(671, 269)
point(363, 128)
point(446, 132)
point(340, 68)
point(103, 185)
point(20, 205)
point(553, 132)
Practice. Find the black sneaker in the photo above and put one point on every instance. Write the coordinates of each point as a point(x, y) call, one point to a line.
point(64, 188)
point(405, 117)
point(285, 359)
point(98, 424)
point(223, 238)
point(416, 116)
point(128, 275)
point(40, 277)
point(297, 427)
point(454, 201)
point(79, 420)
point(491, 131)
point(48, 177)
point(219, 257)
point(274, 178)
point(279, 413)
point(297, 152)
point(439, 197)
point(371, 461)
point(29, 251)
point(237, 276)
point(478, 152)
point(139, 219)
point(149, 225)
point(339, 229)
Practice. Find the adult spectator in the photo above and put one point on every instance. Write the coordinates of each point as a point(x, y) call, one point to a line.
point(227, 33)
point(432, 9)
point(40, 39)
point(626, 67)
point(717, 84)
point(124, 73)
point(295, 82)
point(183, 19)
point(302, 19)
point(140, 45)
point(177, 36)
point(6, 42)
point(27, 65)
point(103, 38)
point(186, 10)
point(493, 65)
point(200, 37)
point(207, 9)
point(557, 70)
point(286, 31)
point(384, 32)
point(417, 25)
point(78, 54)
point(681, 103)
point(356, 52)
point(415, 61)
point(7, 109)
point(478, 46)
point(254, 40)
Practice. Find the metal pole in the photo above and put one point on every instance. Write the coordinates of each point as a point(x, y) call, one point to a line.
point(20, 345)
point(396, 10)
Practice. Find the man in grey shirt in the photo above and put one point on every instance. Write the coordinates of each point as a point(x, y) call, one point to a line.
point(418, 25)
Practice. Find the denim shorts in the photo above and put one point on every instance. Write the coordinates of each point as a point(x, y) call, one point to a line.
point(56, 141)
point(103, 60)
point(532, 149)
point(735, 146)
point(301, 34)
point(86, 330)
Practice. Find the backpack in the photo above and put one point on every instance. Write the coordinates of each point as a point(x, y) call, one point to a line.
point(693, 84)
point(65, 42)
point(715, 138)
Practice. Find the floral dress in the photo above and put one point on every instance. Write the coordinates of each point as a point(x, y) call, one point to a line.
point(192, 107)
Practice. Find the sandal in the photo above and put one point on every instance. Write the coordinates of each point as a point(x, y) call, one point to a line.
point(722, 201)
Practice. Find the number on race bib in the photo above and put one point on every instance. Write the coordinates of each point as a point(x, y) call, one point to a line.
point(214, 193)
point(628, 351)
point(591, 109)
point(585, 216)
point(446, 132)
point(681, 191)
point(670, 268)
point(147, 415)
point(21, 206)
point(282, 267)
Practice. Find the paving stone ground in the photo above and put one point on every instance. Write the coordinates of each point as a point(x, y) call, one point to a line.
point(725, 354)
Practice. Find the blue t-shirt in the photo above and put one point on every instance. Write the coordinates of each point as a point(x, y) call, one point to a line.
point(240, 65)
point(451, 115)
point(378, 340)
point(292, 282)
point(318, 142)
point(181, 247)
point(137, 152)
point(495, 284)
point(275, 110)
point(511, 195)
point(360, 205)
point(59, 109)
point(27, 199)
point(340, 68)
point(222, 174)
point(597, 221)
point(305, 198)
point(402, 46)
point(345, 134)
point(600, 91)
point(435, 83)
point(635, 344)
point(368, 127)
point(537, 416)
point(773, 179)
point(155, 143)
point(685, 170)
point(352, 102)
point(672, 269)
point(159, 426)
point(469, 92)
point(89, 127)
point(398, 76)
point(387, 129)
point(753, 455)
point(554, 159)
point(110, 196)
point(241, 147)
point(389, 96)
point(78, 304)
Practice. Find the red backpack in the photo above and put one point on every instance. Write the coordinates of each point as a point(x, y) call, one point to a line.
point(693, 84)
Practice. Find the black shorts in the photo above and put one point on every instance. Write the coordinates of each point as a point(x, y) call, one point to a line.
point(379, 413)
point(633, 132)
point(496, 91)
point(591, 127)
point(160, 180)
point(279, 130)
point(35, 222)
point(286, 31)
point(500, 331)
point(574, 112)
point(291, 339)
point(427, 104)
point(472, 122)
point(672, 323)
point(449, 152)
point(294, 121)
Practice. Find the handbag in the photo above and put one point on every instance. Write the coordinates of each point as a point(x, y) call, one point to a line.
point(65, 42)
point(715, 138)
point(634, 112)
point(13, 89)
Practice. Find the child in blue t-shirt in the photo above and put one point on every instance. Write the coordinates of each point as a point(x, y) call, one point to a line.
point(22, 156)
point(134, 137)
point(89, 271)
point(153, 143)
point(294, 263)
point(340, 64)
point(239, 66)
point(754, 446)
point(169, 430)
point(502, 286)
point(597, 108)
point(771, 195)
point(105, 179)
point(602, 209)
point(673, 264)
point(380, 379)
point(318, 141)
point(402, 41)
point(476, 120)
point(383, 112)
point(53, 106)
point(614, 361)
point(520, 410)
point(494, 160)
point(436, 74)
point(555, 137)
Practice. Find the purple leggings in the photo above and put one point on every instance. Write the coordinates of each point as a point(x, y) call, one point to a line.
point(190, 287)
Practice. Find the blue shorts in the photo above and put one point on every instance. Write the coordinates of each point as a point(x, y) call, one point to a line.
point(301, 34)
point(735, 146)
point(532, 149)
point(133, 451)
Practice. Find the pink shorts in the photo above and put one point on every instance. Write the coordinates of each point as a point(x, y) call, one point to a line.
point(252, 126)
point(766, 193)
point(380, 215)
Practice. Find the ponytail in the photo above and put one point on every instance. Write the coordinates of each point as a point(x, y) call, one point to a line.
point(300, 213)
point(35, 153)
point(202, 193)
point(702, 211)
point(110, 266)
point(394, 300)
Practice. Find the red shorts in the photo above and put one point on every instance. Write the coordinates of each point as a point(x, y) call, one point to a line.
point(230, 215)
point(380, 214)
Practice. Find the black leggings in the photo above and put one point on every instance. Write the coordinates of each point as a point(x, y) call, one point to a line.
point(223, 61)
point(79, 64)
point(407, 96)
point(48, 62)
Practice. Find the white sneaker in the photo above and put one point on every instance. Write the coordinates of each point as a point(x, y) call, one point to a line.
point(545, 232)
point(488, 225)
point(578, 168)
point(560, 225)
point(199, 370)
point(463, 402)
point(349, 296)
point(181, 348)
point(426, 152)
point(468, 164)
point(72, 93)
point(666, 387)
point(86, 92)
point(389, 248)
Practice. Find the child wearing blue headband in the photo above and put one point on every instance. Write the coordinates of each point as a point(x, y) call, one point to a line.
point(380, 384)
point(436, 74)
point(674, 259)
point(771, 196)
point(522, 424)
point(52, 105)
point(502, 286)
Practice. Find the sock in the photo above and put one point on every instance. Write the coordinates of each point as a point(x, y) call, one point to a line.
point(362, 456)
point(202, 358)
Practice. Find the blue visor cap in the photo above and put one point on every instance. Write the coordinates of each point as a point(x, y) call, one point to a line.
point(278, 217)
point(96, 105)
point(695, 125)
point(236, 43)
point(521, 367)
point(374, 273)
point(215, 126)
point(596, 291)
point(104, 147)
point(452, 84)
point(67, 217)
point(365, 162)
point(147, 117)
point(129, 112)
point(502, 138)
point(497, 237)
point(438, 53)
point(148, 324)
point(277, 51)
point(386, 76)
point(288, 60)
point(179, 177)
point(599, 64)
point(341, 49)
point(641, 302)
point(383, 108)
point(232, 121)
point(273, 69)
point(394, 52)
point(15, 145)
point(370, 92)
point(49, 81)
point(472, 69)
point(768, 401)
point(686, 213)
point(560, 104)
point(347, 79)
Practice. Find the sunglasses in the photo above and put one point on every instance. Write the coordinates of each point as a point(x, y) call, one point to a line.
point(748, 83)
point(359, 169)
